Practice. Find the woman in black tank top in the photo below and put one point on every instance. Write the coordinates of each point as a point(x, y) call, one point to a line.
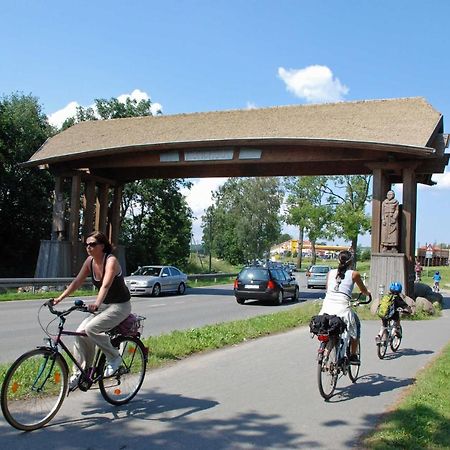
point(111, 306)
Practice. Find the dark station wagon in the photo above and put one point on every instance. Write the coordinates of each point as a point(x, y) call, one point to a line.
point(266, 284)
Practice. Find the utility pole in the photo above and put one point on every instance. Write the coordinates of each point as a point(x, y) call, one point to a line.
point(210, 240)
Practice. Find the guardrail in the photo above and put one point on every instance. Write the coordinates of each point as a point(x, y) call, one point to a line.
point(34, 283)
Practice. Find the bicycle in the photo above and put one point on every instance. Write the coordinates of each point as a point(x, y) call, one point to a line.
point(333, 357)
point(36, 384)
point(391, 336)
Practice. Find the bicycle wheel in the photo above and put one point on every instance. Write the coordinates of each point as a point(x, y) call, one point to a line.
point(33, 389)
point(396, 339)
point(327, 372)
point(353, 369)
point(126, 382)
point(382, 345)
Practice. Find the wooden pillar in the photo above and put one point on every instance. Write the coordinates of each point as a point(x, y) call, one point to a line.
point(408, 231)
point(102, 208)
point(74, 222)
point(115, 215)
point(58, 211)
point(89, 209)
point(380, 187)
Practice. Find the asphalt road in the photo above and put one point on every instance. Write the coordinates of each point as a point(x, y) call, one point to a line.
point(20, 330)
point(261, 394)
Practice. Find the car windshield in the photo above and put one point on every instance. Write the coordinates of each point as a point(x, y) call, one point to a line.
point(319, 269)
point(148, 271)
point(254, 274)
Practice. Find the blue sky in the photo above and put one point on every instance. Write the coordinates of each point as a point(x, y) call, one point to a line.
point(212, 55)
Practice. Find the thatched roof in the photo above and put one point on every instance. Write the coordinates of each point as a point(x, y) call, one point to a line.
point(409, 122)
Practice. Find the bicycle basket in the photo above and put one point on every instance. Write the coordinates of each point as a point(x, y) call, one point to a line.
point(131, 326)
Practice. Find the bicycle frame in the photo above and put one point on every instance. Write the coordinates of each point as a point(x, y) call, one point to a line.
point(341, 342)
point(87, 375)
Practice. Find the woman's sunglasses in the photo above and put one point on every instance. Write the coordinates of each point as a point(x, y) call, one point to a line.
point(91, 244)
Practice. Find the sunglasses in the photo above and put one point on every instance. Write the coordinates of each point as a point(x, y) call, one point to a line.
point(91, 244)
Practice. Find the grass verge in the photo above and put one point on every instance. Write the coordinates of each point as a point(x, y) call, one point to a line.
point(179, 344)
point(176, 345)
point(10, 296)
point(422, 419)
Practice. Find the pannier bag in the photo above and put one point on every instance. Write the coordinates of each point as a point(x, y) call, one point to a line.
point(129, 326)
point(326, 324)
point(386, 307)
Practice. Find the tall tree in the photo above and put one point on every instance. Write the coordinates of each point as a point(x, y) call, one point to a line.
point(245, 219)
point(156, 225)
point(350, 194)
point(25, 195)
point(156, 220)
point(307, 208)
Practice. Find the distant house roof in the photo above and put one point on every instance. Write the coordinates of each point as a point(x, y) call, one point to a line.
point(405, 126)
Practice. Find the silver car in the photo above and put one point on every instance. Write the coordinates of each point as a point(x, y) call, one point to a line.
point(316, 276)
point(152, 280)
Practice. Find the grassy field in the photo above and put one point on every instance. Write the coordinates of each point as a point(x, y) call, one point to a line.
point(422, 419)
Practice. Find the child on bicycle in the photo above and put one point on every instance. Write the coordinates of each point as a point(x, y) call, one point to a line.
point(437, 279)
point(392, 313)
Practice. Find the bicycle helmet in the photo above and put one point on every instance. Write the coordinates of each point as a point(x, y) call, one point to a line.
point(395, 287)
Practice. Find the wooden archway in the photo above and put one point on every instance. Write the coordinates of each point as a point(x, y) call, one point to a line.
point(396, 140)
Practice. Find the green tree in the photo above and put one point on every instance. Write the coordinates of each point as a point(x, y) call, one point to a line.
point(156, 221)
point(350, 194)
point(244, 218)
point(156, 226)
point(25, 194)
point(307, 208)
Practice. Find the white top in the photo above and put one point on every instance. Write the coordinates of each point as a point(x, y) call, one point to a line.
point(344, 286)
point(337, 299)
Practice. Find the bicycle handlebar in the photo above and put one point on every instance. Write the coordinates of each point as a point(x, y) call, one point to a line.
point(359, 302)
point(78, 306)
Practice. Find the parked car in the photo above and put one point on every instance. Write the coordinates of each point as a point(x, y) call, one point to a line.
point(152, 280)
point(316, 276)
point(261, 283)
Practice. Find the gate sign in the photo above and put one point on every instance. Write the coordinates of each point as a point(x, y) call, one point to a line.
point(429, 252)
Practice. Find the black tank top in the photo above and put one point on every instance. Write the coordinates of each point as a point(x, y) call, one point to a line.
point(118, 292)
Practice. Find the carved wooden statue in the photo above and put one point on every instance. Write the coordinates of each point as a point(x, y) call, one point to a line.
point(389, 224)
point(58, 218)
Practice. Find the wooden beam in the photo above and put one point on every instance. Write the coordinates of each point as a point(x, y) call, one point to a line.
point(409, 224)
point(115, 215)
point(74, 221)
point(101, 216)
point(89, 210)
point(380, 187)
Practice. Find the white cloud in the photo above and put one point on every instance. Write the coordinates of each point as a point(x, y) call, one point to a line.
point(315, 84)
point(199, 198)
point(442, 182)
point(250, 105)
point(139, 95)
point(57, 118)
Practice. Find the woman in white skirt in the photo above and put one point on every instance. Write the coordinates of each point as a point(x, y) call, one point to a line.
point(340, 284)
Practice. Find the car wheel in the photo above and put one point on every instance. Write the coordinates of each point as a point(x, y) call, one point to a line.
point(241, 301)
point(181, 289)
point(156, 290)
point(296, 296)
point(279, 300)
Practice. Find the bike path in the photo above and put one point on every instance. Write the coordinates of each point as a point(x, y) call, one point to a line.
point(261, 394)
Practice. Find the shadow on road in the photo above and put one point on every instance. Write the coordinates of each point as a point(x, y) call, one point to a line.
point(160, 421)
point(371, 385)
point(406, 352)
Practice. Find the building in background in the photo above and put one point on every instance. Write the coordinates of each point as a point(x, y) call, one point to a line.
point(291, 246)
point(430, 255)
